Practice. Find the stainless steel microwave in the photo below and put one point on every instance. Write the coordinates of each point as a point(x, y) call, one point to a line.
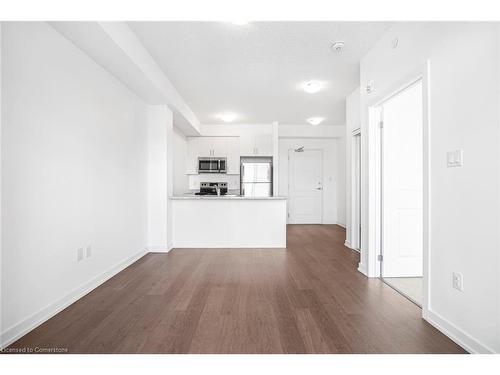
point(212, 165)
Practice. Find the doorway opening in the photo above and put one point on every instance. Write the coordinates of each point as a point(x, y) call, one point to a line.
point(305, 186)
point(401, 198)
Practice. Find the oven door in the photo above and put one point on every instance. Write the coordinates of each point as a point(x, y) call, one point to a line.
point(208, 166)
point(222, 166)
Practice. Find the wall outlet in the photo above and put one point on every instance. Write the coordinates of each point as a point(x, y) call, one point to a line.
point(79, 254)
point(454, 158)
point(458, 282)
point(88, 251)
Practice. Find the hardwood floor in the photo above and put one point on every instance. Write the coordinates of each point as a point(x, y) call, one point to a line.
point(308, 298)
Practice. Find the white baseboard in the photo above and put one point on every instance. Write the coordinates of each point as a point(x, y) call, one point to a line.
point(20, 329)
point(159, 248)
point(456, 334)
point(348, 244)
point(341, 225)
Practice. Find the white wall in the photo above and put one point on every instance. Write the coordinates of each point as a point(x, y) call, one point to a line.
point(331, 179)
point(464, 201)
point(308, 131)
point(115, 47)
point(74, 151)
point(160, 176)
point(236, 130)
point(180, 155)
point(353, 112)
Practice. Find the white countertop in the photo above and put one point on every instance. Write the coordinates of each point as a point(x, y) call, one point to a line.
point(223, 198)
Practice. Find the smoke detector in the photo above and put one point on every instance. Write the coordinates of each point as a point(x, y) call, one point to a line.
point(338, 46)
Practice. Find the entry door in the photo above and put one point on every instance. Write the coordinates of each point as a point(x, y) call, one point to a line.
point(402, 184)
point(305, 186)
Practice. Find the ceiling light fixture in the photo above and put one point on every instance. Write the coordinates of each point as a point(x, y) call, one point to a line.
point(312, 87)
point(315, 120)
point(227, 117)
point(338, 46)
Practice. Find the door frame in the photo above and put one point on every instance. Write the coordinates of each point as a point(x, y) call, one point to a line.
point(355, 197)
point(374, 209)
point(290, 150)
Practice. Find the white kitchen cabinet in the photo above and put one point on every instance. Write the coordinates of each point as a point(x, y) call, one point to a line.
point(256, 145)
point(204, 147)
point(264, 145)
point(233, 155)
point(213, 147)
point(218, 146)
point(247, 144)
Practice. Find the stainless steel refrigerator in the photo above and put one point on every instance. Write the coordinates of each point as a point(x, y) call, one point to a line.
point(256, 177)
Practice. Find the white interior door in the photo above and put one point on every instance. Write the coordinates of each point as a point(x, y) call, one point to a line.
point(305, 187)
point(402, 184)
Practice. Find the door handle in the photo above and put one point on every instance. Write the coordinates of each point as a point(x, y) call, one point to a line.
point(319, 188)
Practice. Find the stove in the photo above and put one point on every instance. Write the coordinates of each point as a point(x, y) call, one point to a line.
point(212, 188)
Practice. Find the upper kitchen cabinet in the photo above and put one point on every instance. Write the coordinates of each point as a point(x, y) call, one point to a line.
point(256, 145)
point(233, 155)
point(214, 147)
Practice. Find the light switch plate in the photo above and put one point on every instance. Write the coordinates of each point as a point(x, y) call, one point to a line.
point(454, 158)
point(457, 280)
point(79, 254)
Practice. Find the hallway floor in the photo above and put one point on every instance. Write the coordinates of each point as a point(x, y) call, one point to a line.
point(409, 286)
point(308, 298)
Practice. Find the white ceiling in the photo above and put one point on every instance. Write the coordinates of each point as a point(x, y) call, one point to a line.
point(256, 70)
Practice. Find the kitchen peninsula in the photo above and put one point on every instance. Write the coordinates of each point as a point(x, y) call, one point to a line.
point(229, 221)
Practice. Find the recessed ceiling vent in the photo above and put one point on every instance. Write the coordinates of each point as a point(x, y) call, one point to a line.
point(338, 46)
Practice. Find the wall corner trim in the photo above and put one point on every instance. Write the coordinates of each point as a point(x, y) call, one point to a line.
point(457, 335)
point(362, 269)
point(20, 329)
